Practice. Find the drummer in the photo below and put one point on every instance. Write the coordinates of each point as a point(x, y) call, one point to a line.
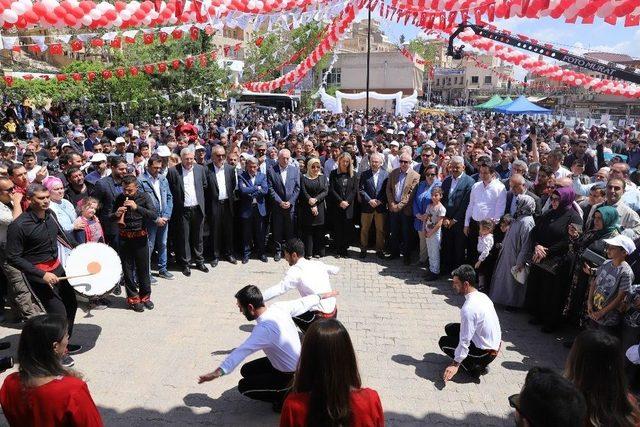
point(137, 208)
point(32, 248)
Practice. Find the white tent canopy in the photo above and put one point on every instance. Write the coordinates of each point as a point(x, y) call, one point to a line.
point(334, 103)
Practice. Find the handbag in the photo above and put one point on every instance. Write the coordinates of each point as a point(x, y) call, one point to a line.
point(550, 265)
point(593, 257)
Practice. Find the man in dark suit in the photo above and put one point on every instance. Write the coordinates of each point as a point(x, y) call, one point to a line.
point(253, 189)
point(284, 188)
point(188, 183)
point(106, 190)
point(400, 192)
point(456, 190)
point(220, 197)
point(518, 186)
point(373, 204)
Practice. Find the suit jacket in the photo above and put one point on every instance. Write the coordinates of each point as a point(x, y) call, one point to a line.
point(166, 198)
point(176, 185)
point(339, 194)
point(280, 192)
point(456, 201)
point(368, 191)
point(410, 183)
point(507, 206)
point(213, 193)
point(106, 192)
point(249, 191)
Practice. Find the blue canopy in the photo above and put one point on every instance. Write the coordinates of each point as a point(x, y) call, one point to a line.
point(521, 106)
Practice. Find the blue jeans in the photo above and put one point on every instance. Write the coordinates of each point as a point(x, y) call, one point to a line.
point(158, 241)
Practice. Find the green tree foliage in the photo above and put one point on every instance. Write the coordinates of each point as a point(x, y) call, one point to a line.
point(428, 51)
point(133, 97)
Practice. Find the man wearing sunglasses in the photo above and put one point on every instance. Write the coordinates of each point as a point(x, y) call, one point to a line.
point(547, 399)
point(17, 289)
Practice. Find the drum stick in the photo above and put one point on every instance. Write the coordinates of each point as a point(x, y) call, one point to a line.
point(76, 277)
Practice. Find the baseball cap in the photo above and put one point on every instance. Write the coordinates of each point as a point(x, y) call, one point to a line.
point(78, 135)
point(199, 147)
point(390, 131)
point(396, 143)
point(623, 242)
point(120, 140)
point(98, 157)
point(163, 151)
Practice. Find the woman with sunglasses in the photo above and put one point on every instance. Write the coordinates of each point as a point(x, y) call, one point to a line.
point(43, 392)
point(314, 188)
point(549, 275)
point(327, 390)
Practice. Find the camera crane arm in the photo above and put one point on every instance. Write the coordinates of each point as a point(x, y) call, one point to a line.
point(609, 69)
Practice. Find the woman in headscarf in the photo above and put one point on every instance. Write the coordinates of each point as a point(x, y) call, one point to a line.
point(314, 189)
point(516, 250)
point(605, 226)
point(548, 279)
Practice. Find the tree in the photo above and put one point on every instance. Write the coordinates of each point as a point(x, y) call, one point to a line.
point(427, 49)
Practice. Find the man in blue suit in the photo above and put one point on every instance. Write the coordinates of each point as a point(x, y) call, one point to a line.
point(456, 190)
point(253, 188)
point(284, 188)
point(156, 186)
point(373, 204)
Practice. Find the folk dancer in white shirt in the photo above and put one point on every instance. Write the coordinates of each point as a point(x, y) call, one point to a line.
point(309, 277)
point(267, 379)
point(487, 201)
point(475, 341)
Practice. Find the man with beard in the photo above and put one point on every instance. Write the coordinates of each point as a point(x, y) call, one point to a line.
point(267, 378)
point(77, 189)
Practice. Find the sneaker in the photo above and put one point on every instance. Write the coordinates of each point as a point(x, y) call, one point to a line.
point(164, 274)
point(74, 348)
point(148, 305)
point(137, 307)
point(67, 361)
point(153, 280)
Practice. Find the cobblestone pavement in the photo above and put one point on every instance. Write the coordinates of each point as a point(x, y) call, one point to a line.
point(142, 368)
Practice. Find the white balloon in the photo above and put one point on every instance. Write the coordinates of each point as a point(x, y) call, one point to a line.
point(86, 20)
point(10, 16)
point(173, 20)
point(117, 22)
point(579, 82)
point(133, 6)
point(95, 14)
point(146, 20)
point(104, 6)
point(125, 15)
point(50, 4)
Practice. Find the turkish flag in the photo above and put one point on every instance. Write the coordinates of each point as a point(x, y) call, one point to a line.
point(133, 71)
point(120, 73)
point(175, 64)
point(61, 77)
point(55, 49)
point(147, 38)
point(163, 37)
point(97, 42)
point(259, 41)
point(8, 80)
point(194, 32)
point(149, 68)
point(76, 45)
point(188, 62)
point(176, 34)
point(76, 77)
point(116, 42)
point(162, 67)
point(106, 74)
point(91, 75)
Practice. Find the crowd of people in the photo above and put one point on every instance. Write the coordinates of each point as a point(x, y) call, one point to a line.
point(525, 214)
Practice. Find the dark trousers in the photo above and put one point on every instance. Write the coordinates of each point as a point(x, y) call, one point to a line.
point(546, 294)
point(400, 226)
point(189, 236)
point(454, 246)
point(342, 232)
point(61, 299)
point(282, 226)
point(472, 249)
point(261, 381)
point(253, 230)
point(221, 230)
point(135, 265)
point(477, 357)
point(306, 319)
point(313, 238)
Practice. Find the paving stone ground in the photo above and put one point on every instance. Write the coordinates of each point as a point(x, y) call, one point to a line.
point(142, 368)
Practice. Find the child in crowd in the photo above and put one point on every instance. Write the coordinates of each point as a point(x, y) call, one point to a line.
point(29, 128)
point(432, 230)
point(485, 244)
point(92, 232)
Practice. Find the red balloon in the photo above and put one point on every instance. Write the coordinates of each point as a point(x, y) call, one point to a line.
point(67, 6)
point(38, 8)
point(146, 6)
point(21, 23)
point(60, 12)
point(86, 6)
point(77, 12)
point(70, 20)
point(120, 6)
point(31, 17)
point(111, 15)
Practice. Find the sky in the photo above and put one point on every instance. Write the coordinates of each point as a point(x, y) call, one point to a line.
point(577, 38)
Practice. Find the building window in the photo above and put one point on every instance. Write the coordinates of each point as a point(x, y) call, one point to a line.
point(474, 79)
point(334, 77)
point(487, 80)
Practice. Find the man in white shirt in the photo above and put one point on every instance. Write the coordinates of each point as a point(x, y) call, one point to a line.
point(475, 341)
point(487, 201)
point(332, 162)
point(268, 378)
point(309, 277)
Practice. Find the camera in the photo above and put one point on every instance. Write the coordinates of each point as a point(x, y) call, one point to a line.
point(6, 363)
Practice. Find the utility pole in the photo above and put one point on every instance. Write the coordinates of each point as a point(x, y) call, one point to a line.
point(368, 60)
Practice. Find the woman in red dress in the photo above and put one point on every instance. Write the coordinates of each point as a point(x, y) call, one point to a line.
point(327, 388)
point(42, 392)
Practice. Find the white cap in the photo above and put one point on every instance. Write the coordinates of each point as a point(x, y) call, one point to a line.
point(163, 151)
point(623, 242)
point(66, 144)
point(199, 147)
point(401, 132)
point(390, 131)
point(78, 135)
point(10, 144)
point(98, 157)
point(120, 140)
point(396, 143)
point(430, 144)
point(633, 354)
